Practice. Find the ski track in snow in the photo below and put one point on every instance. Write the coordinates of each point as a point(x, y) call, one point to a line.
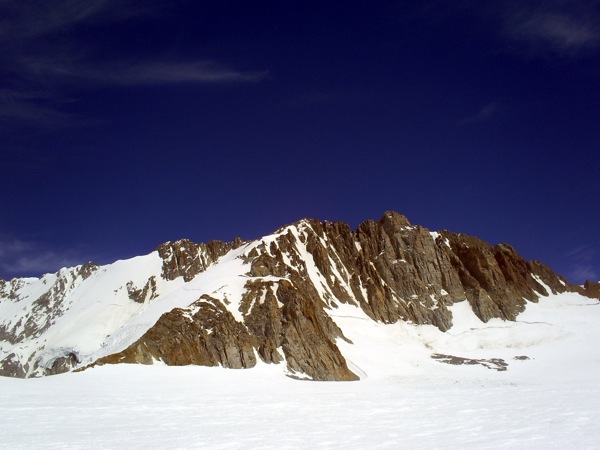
point(405, 399)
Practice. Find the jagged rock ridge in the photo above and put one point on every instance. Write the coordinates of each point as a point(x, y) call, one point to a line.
point(276, 298)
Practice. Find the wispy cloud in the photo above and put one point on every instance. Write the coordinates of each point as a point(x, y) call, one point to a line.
point(585, 272)
point(559, 31)
point(557, 27)
point(183, 72)
point(43, 63)
point(29, 19)
point(37, 109)
point(27, 258)
point(582, 263)
point(485, 113)
point(133, 73)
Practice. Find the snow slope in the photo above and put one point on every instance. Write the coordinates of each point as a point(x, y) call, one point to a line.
point(406, 400)
point(97, 317)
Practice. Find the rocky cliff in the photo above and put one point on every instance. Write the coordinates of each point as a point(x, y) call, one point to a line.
point(233, 304)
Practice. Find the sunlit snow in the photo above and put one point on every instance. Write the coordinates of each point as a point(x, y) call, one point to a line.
point(405, 399)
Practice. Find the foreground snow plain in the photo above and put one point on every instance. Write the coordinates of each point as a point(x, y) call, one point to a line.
point(405, 399)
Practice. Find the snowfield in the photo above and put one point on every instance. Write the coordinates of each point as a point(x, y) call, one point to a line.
point(548, 396)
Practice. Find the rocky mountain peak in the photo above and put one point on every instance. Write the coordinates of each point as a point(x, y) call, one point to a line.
point(273, 299)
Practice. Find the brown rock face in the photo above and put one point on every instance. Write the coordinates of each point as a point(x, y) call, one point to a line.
point(186, 259)
point(10, 366)
point(62, 364)
point(396, 271)
point(205, 334)
point(589, 289)
point(308, 338)
point(592, 290)
point(148, 292)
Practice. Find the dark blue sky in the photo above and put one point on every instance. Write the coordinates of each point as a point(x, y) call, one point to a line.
point(124, 124)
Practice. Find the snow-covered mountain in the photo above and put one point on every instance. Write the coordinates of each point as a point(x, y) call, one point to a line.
point(283, 299)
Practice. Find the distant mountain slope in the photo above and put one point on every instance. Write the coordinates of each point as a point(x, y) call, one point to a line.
point(272, 299)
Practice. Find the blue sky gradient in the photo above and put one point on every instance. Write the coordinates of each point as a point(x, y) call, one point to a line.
point(124, 124)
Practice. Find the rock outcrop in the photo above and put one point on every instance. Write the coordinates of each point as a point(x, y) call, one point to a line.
point(589, 289)
point(204, 334)
point(42, 313)
point(276, 304)
point(186, 259)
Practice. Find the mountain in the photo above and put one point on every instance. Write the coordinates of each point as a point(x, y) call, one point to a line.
point(273, 299)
